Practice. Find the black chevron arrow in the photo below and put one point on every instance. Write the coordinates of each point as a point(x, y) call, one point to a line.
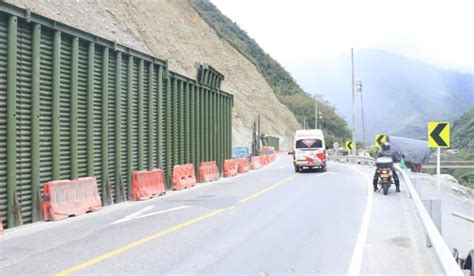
point(436, 132)
point(379, 140)
point(349, 145)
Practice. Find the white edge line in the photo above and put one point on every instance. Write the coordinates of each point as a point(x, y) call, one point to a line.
point(357, 254)
point(137, 215)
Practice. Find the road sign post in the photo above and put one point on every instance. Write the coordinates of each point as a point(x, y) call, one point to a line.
point(438, 137)
point(438, 166)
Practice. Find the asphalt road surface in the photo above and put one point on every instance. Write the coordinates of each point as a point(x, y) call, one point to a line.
point(267, 221)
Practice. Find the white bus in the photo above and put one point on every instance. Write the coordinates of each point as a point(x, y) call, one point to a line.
point(309, 150)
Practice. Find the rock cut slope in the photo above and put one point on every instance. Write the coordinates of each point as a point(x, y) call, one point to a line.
point(172, 30)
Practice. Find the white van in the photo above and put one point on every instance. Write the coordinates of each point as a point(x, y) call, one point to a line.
point(309, 150)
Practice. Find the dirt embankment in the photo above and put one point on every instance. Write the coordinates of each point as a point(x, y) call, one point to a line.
point(172, 30)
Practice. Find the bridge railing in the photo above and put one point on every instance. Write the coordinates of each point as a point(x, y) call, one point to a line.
point(443, 254)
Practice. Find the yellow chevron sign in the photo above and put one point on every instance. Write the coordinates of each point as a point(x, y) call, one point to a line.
point(438, 134)
point(380, 139)
point(349, 145)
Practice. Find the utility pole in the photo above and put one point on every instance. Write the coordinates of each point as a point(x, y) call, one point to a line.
point(304, 122)
point(353, 104)
point(315, 113)
point(258, 134)
point(359, 89)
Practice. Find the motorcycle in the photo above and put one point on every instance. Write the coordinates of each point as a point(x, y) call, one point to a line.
point(384, 172)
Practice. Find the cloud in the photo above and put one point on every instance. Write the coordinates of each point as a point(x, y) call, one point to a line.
point(438, 32)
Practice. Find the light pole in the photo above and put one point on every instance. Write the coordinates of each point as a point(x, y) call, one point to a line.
point(353, 104)
point(359, 89)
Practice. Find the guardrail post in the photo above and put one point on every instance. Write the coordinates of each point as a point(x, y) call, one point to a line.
point(433, 206)
point(418, 187)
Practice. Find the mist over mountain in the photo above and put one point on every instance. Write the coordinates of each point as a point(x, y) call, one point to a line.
point(400, 94)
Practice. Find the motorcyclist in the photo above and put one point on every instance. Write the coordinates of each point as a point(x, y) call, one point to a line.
point(386, 152)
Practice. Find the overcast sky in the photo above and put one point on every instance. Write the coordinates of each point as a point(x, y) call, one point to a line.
point(292, 31)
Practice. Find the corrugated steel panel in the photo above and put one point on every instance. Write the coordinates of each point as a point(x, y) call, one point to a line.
point(98, 118)
point(3, 119)
point(135, 115)
point(65, 108)
point(111, 123)
point(82, 110)
point(46, 78)
point(154, 115)
point(171, 119)
point(24, 122)
point(123, 121)
point(181, 126)
point(144, 120)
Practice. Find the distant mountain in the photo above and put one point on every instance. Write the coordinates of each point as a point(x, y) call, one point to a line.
point(401, 94)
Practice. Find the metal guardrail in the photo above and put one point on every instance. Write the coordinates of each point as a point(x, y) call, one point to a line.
point(464, 217)
point(443, 253)
point(450, 166)
point(353, 159)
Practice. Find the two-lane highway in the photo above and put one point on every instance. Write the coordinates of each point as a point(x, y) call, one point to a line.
point(267, 221)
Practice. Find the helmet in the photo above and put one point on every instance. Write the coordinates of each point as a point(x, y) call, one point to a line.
point(386, 146)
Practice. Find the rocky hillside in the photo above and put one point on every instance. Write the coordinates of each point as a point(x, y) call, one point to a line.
point(174, 31)
point(280, 80)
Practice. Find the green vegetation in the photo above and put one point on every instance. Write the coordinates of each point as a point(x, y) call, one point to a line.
point(462, 138)
point(284, 86)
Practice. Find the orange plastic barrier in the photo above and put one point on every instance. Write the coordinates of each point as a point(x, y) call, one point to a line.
point(208, 171)
point(229, 168)
point(243, 165)
point(66, 198)
point(183, 176)
point(255, 163)
point(147, 184)
point(272, 157)
point(264, 160)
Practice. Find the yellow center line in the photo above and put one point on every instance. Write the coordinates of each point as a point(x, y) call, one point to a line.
point(166, 231)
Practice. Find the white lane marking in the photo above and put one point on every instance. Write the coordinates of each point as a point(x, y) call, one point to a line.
point(138, 214)
point(325, 173)
point(356, 260)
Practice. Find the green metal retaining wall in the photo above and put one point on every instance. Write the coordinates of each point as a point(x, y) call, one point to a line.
point(272, 141)
point(73, 104)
